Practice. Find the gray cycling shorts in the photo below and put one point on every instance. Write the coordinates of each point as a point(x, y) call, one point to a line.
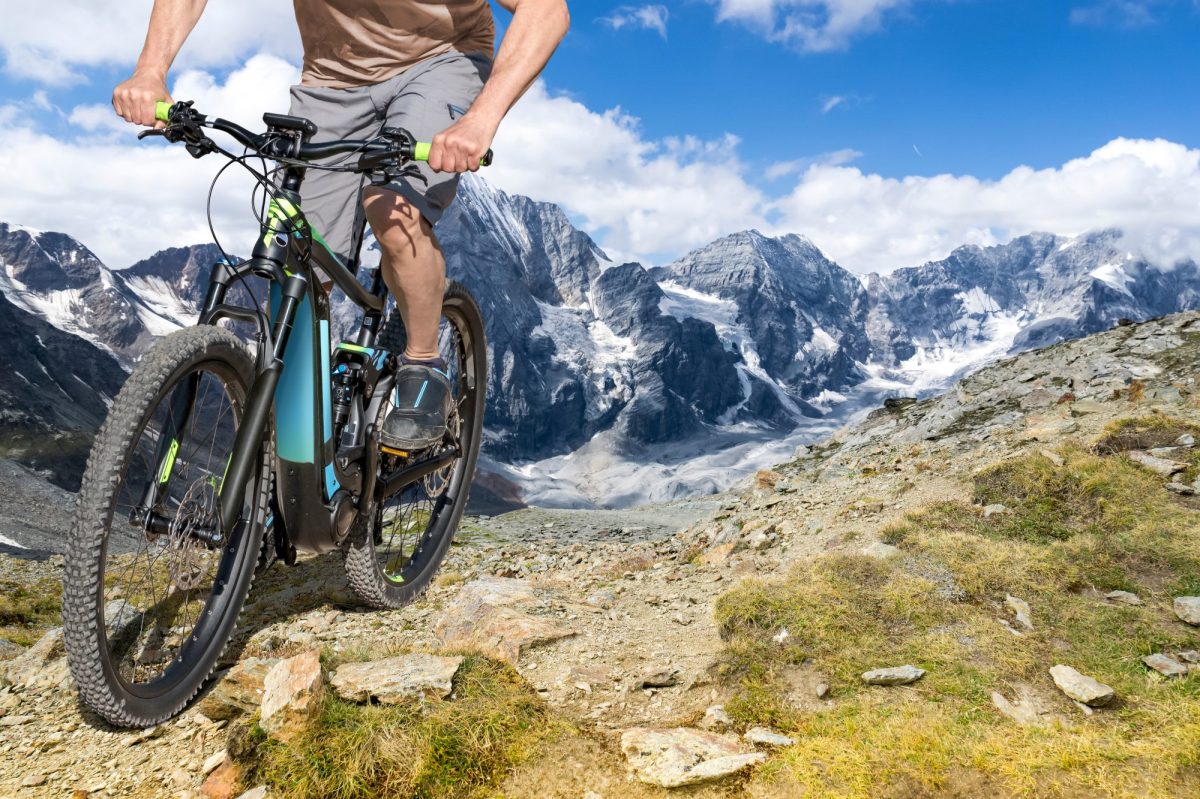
point(425, 99)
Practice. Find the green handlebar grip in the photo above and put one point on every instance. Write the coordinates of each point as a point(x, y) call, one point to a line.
point(162, 111)
point(421, 153)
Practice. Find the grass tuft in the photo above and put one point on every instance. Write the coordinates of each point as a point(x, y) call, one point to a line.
point(459, 747)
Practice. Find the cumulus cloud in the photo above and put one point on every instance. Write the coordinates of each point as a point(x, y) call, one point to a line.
point(126, 199)
point(810, 25)
point(871, 223)
point(57, 47)
point(650, 17)
point(641, 197)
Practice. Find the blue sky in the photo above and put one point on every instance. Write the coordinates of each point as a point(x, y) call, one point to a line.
point(888, 131)
point(979, 86)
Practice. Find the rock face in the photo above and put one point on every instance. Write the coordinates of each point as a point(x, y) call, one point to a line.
point(490, 616)
point(291, 693)
point(899, 675)
point(1081, 687)
point(396, 679)
point(239, 690)
point(1187, 608)
point(676, 757)
point(747, 333)
point(54, 394)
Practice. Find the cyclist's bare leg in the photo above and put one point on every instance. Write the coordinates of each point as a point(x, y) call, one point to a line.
point(413, 267)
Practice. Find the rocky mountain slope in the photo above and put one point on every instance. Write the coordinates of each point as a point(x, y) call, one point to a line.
point(613, 384)
point(991, 592)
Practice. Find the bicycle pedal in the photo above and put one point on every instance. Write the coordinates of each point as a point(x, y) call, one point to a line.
point(391, 451)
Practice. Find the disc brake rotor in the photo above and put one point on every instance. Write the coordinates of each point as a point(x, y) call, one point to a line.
point(197, 512)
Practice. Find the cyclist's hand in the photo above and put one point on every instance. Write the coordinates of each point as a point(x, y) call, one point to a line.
point(134, 99)
point(459, 147)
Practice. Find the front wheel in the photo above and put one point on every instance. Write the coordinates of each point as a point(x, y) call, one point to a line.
point(151, 589)
point(396, 546)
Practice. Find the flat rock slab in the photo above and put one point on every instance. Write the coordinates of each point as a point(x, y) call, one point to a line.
point(1161, 466)
point(1166, 666)
point(486, 616)
point(1026, 708)
point(1124, 598)
point(899, 675)
point(683, 756)
point(1080, 687)
point(397, 679)
point(766, 737)
point(292, 690)
point(1187, 608)
point(496, 591)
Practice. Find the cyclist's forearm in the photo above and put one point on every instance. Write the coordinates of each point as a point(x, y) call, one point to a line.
point(536, 29)
point(170, 23)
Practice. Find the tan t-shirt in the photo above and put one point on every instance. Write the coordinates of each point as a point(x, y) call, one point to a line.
point(358, 42)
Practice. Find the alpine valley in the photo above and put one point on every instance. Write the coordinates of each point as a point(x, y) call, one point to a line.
point(610, 384)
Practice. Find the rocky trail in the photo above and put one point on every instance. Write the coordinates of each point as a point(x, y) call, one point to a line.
point(628, 629)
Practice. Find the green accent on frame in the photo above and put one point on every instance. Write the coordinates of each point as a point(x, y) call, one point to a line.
point(164, 471)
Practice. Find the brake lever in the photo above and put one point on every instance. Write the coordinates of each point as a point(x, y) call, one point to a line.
point(151, 132)
point(386, 174)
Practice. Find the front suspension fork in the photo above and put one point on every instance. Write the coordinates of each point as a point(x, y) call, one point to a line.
point(246, 446)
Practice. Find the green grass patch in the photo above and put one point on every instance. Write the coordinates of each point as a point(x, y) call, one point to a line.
point(1143, 432)
point(459, 747)
point(1070, 533)
point(27, 610)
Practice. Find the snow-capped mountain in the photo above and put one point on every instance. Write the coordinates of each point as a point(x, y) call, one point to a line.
point(613, 383)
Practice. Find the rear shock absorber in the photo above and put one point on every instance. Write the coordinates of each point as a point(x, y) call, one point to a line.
point(343, 393)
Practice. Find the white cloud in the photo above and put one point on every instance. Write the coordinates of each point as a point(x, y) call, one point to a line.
point(871, 223)
point(832, 103)
point(836, 158)
point(642, 196)
point(645, 198)
point(650, 17)
point(126, 199)
point(56, 45)
point(810, 25)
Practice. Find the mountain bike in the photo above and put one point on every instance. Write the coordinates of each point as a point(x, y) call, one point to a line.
point(223, 453)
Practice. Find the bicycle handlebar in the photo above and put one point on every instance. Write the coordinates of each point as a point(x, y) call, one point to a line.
point(373, 152)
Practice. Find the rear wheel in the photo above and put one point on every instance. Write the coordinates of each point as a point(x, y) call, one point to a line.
point(396, 546)
point(151, 592)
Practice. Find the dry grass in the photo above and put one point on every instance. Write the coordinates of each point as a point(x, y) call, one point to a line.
point(1071, 533)
point(460, 747)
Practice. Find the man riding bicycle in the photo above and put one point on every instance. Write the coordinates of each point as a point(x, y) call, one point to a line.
point(369, 64)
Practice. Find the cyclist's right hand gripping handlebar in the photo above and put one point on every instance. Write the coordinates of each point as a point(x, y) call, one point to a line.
point(162, 112)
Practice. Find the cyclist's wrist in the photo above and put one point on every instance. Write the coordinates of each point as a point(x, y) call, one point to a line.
point(151, 72)
point(484, 116)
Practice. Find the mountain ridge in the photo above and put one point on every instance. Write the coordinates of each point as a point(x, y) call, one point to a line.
point(746, 341)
